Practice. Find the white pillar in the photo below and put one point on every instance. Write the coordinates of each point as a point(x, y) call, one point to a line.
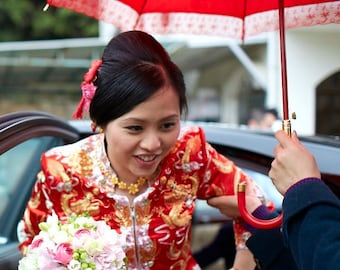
point(106, 31)
point(274, 89)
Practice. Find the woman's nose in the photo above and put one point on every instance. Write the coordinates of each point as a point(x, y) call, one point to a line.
point(151, 141)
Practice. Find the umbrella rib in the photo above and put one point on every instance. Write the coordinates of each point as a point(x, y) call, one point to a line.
point(141, 11)
point(244, 20)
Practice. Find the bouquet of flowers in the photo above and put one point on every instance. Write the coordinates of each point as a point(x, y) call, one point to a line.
point(80, 244)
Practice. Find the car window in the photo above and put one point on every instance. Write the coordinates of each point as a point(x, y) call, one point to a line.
point(18, 169)
point(13, 164)
point(267, 186)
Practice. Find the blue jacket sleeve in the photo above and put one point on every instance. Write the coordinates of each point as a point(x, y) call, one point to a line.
point(268, 247)
point(311, 225)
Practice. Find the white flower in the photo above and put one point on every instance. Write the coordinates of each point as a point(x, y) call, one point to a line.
point(29, 262)
point(74, 265)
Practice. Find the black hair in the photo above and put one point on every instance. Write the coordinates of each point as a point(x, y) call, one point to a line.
point(135, 66)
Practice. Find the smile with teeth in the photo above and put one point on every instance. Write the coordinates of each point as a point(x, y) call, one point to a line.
point(147, 158)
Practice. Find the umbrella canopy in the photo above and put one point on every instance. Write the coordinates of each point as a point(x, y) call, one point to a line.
point(225, 18)
point(233, 18)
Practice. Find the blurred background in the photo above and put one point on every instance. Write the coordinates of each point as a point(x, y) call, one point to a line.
point(43, 56)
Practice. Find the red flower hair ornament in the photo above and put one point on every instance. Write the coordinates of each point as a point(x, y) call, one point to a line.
point(88, 90)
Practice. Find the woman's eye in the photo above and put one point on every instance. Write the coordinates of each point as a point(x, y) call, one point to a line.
point(134, 128)
point(168, 125)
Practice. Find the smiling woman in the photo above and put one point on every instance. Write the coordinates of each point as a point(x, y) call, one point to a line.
point(148, 137)
point(142, 173)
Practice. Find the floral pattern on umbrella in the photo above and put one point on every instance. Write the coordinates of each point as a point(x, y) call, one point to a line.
point(235, 19)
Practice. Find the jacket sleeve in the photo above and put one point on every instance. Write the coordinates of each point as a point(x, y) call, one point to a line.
point(268, 248)
point(36, 211)
point(221, 178)
point(45, 199)
point(311, 225)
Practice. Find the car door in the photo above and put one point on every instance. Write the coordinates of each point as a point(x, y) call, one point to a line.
point(24, 136)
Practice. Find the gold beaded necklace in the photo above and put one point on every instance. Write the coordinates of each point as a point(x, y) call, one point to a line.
point(132, 188)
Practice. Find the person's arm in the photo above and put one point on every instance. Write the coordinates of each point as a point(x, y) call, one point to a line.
point(311, 225)
point(244, 258)
point(292, 162)
point(311, 218)
point(267, 245)
point(269, 250)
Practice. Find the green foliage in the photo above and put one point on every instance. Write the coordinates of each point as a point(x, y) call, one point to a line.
point(25, 20)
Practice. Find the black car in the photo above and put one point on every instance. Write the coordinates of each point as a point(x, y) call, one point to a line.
point(24, 136)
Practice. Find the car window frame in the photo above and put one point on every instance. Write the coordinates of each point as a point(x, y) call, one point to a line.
point(19, 127)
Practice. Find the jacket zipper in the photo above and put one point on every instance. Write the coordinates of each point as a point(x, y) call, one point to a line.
point(134, 227)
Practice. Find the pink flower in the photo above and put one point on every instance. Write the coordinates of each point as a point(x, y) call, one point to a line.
point(88, 90)
point(36, 242)
point(46, 259)
point(64, 253)
point(82, 232)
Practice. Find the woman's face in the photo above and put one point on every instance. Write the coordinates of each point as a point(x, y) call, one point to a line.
point(139, 140)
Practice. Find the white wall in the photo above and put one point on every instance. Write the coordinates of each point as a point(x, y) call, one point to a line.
point(311, 57)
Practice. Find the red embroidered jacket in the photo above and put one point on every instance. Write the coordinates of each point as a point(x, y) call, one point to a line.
point(157, 225)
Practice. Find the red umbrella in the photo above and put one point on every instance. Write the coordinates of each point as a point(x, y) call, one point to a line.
point(227, 18)
point(234, 18)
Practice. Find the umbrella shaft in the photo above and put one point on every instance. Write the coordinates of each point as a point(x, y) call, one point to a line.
point(283, 60)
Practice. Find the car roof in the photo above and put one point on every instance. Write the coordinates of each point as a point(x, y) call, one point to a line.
point(326, 149)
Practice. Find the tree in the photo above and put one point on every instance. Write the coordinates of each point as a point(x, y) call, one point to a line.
point(26, 20)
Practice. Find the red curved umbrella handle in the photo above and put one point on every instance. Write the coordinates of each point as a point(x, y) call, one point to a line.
point(250, 219)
